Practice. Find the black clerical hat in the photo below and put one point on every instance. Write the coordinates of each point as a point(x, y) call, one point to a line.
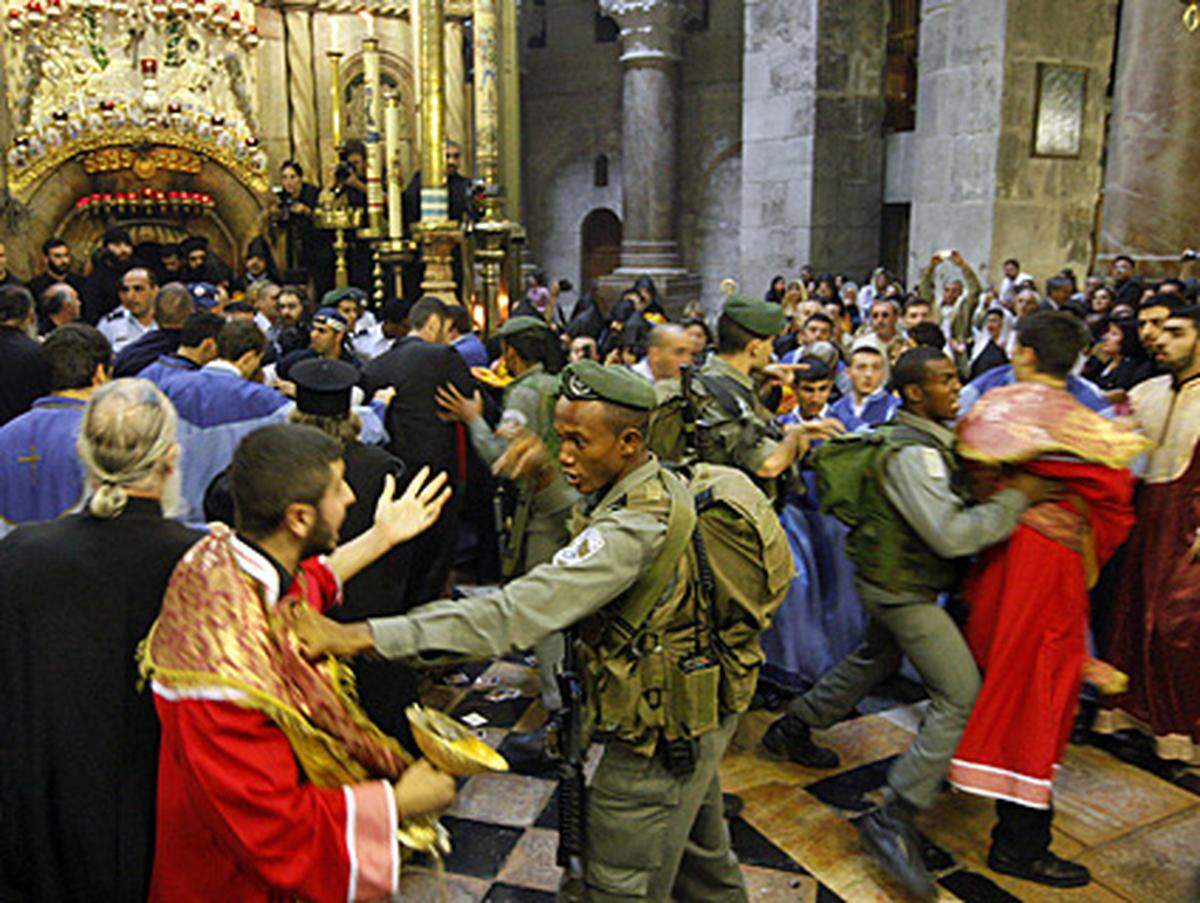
point(323, 386)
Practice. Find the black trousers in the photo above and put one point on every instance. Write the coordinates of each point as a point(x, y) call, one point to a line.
point(1021, 832)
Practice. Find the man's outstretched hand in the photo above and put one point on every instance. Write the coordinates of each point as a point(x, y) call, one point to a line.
point(415, 511)
point(456, 406)
point(318, 636)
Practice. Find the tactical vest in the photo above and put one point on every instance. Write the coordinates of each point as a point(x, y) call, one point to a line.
point(886, 551)
point(680, 648)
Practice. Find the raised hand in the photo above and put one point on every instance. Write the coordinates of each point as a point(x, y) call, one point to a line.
point(456, 406)
point(415, 511)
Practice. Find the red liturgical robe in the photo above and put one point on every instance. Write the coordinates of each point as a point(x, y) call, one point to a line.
point(237, 819)
point(1027, 627)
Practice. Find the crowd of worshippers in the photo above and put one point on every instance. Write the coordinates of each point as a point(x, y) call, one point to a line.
point(417, 395)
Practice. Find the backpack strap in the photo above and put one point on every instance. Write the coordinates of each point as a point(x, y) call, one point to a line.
point(648, 591)
point(727, 392)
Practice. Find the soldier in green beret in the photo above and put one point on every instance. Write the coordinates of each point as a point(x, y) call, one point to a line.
point(536, 526)
point(655, 830)
point(733, 427)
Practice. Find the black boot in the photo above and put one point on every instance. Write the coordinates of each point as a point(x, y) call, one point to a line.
point(1021, 848)
point(1047, 869)
point(791, 738)
point(890, 838)
point(529, 753)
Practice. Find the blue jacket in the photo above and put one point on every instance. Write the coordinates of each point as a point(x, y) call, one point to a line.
point(472, 350)
point(1084, 392)
point(216, 408)
point(167, 365)
point(880, 407)
point(40, 473)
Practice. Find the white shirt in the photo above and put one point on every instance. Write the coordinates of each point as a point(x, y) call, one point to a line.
point(121, 327)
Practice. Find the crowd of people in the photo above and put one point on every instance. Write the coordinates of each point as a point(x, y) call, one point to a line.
point(213, 464)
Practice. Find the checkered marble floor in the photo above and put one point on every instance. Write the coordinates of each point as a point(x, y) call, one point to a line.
point(1136, 826)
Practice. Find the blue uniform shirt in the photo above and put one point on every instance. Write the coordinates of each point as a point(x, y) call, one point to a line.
point(879, 407)
point(1082, 390)
point(40, 473)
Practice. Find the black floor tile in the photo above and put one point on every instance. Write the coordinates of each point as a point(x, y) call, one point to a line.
point(845, 791)
point(549, 816)
point(478, 849)
point(825, 895)
point(753, 848)
point(975, 888)
point(511, 893)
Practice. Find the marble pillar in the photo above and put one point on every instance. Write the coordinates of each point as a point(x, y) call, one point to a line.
point(1149, 211)
point(651, 33)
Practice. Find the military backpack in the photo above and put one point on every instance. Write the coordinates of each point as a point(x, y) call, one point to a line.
point(681, 648)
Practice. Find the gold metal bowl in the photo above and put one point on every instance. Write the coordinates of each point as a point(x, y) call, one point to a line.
point(450, 746)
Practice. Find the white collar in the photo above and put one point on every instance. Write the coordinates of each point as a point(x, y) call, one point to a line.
point(221, 366)
point(254, 564)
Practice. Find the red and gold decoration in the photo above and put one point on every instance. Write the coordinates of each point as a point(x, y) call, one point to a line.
point(147, 202)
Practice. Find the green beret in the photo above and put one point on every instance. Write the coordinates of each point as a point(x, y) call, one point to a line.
point(334, 297)
point(763, 318)
point(518, 325)
point(589, 381)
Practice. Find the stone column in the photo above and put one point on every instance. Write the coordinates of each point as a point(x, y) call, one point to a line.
point(650, 55)
point(1149, 209)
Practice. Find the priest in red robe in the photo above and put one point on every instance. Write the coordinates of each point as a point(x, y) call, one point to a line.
point(1028, 597)
point(272, 783)
point(1156, 612)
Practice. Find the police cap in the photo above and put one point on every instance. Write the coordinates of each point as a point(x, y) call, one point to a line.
point(323, 386)
point(763, 318)
point(589, 381)
point(334, 297)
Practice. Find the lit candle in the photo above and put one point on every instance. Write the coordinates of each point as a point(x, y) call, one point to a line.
point(392, 135)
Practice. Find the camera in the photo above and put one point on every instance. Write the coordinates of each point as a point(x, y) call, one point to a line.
point(285, 201)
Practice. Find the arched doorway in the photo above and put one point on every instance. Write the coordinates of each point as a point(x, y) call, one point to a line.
point(601, 246)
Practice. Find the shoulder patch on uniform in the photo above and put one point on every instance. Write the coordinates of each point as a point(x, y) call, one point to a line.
point(935, 465)
point(513, 417)
point(582, 547)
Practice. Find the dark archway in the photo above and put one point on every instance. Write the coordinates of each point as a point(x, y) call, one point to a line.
point(600, 237)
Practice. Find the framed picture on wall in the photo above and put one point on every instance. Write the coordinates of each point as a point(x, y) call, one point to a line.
point(1058, 110)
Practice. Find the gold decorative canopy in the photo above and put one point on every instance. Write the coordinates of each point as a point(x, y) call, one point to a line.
point(83, 75)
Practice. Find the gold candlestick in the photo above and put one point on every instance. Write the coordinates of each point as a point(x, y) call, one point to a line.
point(372, 102)
point(335, 94)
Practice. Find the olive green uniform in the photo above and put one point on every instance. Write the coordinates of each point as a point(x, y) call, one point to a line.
point(540, 525)
point(650, 834)
point(924, 521)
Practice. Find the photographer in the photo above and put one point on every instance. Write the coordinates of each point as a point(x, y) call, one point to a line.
point(297, 200)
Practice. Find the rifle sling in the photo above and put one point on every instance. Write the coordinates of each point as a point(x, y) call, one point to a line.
point(647, 592)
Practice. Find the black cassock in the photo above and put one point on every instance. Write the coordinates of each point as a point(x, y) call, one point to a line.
point(385, 688)
point(78, 742)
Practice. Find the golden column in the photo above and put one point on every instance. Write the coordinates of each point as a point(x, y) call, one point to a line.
point(333, 211)
point(510, 97)
point(491, 232)
point(437, 234)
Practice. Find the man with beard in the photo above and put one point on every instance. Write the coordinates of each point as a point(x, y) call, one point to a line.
point(40, 476)
point(24, 374)
point(78, 742)
point(201, 264)
point(57, 254)
point(1156, 628)
point(272, 783)
point(101, 289)
point(1152, 314)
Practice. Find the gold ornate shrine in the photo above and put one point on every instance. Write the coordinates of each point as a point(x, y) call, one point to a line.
point(172, 117)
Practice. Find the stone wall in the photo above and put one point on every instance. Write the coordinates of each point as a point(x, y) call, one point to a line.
point(959, 90)
point(710, 151)
point(1045, 208)
point(779, 88)
point(812, 132)
point(571, 113)
point(1150, 211)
